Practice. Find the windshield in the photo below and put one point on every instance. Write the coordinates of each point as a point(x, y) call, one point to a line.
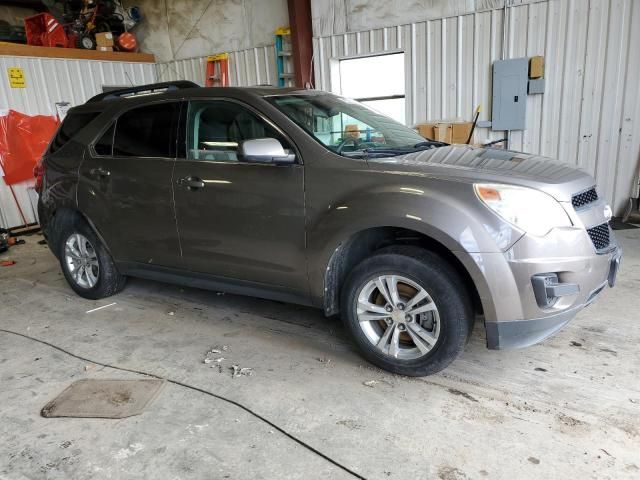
point(348, 127)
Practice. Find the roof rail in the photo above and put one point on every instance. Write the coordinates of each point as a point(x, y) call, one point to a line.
point(149, 89)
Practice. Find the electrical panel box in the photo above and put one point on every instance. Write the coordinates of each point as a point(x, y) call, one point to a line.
point(510, 77)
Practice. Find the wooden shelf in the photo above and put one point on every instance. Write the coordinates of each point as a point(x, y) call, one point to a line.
point(18, 50)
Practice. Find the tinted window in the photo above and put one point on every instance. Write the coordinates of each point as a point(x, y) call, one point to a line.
point(72, 124)
point(104, 146)
point(147, 131)
point(216, 129)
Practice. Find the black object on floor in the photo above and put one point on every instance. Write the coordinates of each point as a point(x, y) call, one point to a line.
point(617, 224)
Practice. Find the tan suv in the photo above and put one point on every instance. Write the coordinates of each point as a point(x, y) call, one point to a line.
point(308, 197)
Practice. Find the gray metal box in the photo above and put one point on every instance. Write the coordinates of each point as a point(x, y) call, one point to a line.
point(509, 109)
point(536, 86)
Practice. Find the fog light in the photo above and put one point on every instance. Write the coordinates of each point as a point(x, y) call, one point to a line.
point(547, 289)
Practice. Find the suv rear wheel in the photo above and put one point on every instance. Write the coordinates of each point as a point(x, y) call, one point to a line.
point(87, 266)
point(407, 310)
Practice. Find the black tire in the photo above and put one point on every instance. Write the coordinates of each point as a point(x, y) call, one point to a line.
point(446, 289)
point(109, 280)
point(86, 41)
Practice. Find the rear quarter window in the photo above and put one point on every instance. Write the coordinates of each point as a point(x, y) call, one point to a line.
point(71, 125)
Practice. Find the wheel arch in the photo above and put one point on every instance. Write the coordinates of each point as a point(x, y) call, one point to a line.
point(357, 246)
point(63, 217)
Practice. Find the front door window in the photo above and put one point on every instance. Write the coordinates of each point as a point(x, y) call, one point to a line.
point(216, 129)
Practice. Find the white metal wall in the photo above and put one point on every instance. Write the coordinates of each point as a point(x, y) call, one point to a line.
point(589, 114)
point(48, 81)
point(250, 67)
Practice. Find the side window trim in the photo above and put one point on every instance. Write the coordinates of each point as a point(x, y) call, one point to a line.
point(92, 148)
point(251, 109)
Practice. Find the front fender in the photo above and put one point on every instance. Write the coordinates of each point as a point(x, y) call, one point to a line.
point(447, 212)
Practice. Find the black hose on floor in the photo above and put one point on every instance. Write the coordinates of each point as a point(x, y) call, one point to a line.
point(300, 442)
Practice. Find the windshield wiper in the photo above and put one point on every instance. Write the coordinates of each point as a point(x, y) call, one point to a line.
point(391, 152)
point(430, 144)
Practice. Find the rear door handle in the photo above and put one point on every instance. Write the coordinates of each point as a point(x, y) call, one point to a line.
point(99, 172)
point(192, 183)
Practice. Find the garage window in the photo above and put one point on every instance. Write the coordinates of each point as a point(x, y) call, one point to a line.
point(376, 81)
point(147, 131)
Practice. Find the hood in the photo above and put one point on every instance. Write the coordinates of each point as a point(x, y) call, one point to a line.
point(491, 165)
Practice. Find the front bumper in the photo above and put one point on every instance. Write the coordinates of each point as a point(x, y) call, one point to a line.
point(524, 333)
point(519, 320)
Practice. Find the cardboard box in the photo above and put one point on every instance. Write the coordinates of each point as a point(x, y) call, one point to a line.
point(104, 39)
point(104, 49)
point(427, 130)
point(536, 67)
point(447, 132)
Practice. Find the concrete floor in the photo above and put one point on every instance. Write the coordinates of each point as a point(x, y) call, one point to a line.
point(569, 408)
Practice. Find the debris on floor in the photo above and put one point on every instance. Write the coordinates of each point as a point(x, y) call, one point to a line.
point(7, 263)
point(370, 383)
point(240, 372)
point(326, 360)
point(212, 356)
point(7, 240)
point(100, 308)
point(103, 398)
point(4, 240)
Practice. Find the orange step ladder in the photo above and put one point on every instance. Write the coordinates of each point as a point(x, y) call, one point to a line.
point(217, 72)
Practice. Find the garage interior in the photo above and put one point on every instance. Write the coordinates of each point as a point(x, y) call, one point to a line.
point(254, 388)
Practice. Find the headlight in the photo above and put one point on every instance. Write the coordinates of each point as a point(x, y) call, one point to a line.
point(531, 210)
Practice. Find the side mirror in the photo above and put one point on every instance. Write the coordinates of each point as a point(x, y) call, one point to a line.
point(264, 150)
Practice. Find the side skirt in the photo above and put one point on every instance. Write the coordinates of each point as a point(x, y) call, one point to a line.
point(213, 282)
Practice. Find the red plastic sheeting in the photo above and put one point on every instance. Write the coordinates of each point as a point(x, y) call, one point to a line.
point(23, 140)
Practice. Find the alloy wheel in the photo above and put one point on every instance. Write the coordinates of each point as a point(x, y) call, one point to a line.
point(82, 261)
point(398, 317)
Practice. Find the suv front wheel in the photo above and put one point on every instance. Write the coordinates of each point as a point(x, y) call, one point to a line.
point(407, 310)
point(86, 264)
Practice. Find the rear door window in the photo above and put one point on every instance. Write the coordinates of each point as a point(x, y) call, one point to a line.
point(72, 124)
point(147, 131)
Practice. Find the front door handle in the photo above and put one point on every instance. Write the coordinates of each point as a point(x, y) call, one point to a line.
point(192, 183)
point(99, 172)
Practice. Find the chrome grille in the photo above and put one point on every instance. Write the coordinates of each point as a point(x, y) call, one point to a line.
point(581, 199)
point(600, 236)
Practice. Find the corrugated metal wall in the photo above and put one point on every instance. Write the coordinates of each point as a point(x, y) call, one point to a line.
point(589, 115)
point(254, 66)
point(48, 81)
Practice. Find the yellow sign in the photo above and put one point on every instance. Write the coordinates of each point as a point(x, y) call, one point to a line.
point(16, 77)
